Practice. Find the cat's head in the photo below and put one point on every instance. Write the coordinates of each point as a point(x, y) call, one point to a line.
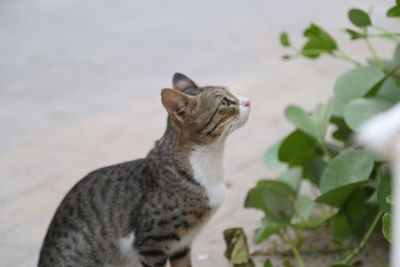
point(203, 114)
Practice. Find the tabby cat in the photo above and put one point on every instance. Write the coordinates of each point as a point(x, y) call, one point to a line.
point(146, 212)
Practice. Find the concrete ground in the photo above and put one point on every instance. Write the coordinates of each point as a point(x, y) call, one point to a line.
point(80, 84)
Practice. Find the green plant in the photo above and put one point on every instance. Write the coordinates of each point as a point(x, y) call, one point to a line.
point(353, 187)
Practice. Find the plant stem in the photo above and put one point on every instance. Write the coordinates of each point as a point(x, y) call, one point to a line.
point(343, 56)
point(296, 253)
point(303, 251)
point(394, 69)
point(392, 72)
point(364, 240)
point(326, 152)
point(374, 54)
point(386, 32)
point(294, 49)
point(299, 236)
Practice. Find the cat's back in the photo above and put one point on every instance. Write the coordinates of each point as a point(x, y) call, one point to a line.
point(97, 210)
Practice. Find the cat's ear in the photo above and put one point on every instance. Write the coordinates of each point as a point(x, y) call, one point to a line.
point(181, 82)
point(178, 105)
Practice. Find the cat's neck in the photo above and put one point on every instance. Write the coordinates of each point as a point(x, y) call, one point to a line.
point(207, 163)
point(204, 163)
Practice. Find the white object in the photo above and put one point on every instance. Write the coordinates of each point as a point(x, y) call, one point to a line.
point(202, 257)
point(382, 135)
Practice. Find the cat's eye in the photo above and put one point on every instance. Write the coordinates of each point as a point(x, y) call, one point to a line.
point(226, 102)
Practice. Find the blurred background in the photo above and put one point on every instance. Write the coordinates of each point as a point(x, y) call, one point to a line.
point(80, 88)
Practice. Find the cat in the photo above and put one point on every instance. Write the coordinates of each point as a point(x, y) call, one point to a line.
point(147, 212)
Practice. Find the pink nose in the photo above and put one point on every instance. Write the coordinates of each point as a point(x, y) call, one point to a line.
point(247, 103)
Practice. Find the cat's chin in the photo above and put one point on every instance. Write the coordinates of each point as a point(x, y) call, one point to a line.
point(236, 125)
point(244, 112)
point(244, 116)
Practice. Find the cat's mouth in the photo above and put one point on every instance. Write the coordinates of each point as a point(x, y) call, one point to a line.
point(245, 106)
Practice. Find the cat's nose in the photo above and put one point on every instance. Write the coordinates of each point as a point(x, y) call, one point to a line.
point(244, 102)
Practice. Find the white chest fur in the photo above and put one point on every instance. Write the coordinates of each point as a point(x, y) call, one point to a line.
point(128, 254)
point(207, 165)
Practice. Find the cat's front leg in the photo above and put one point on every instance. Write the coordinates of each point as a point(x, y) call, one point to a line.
point(181, 258)
point(152, 258)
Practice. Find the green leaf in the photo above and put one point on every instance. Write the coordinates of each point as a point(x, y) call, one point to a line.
point(393, 12)
point(297, 148)
point(292, 177)
point(287, 263)
point(391, 65)
point(338, 107)
point(384, 190)
point(314, 222)
point(347, 171)
point(318, 42)
point(267, 229)
point(359, 211)
point(310, 51)
point(313, 170)
point(340, 225)
point(267, 263)
point(334, 149)
point(287, 57)
point(303, 207)
point(271, 159)
point(284, 39)
point(396, 54)
point(342, 131)
point(300, 119)
point(320, 118)
point(340, 265)
point(358, 111)
point(357, 82)
point(350, 166)
point(338, 196)
point(390, 90)
point(354, 34)
point(280, 186)
point(387, 226)
point(315, 124)
point(237, 251)
point(389, 199)
point(275, 198)
point(359, 18)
